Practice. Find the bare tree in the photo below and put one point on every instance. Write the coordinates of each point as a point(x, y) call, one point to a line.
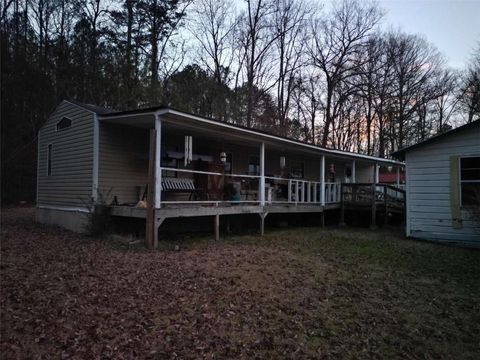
point(162, 19)
point(469, 96)
point(290, 23)
point(308, 102)
point(256, 39)
point(446, 103)
point(415, 64)
point(337, 41)
point(369, 69)
point(213, 27)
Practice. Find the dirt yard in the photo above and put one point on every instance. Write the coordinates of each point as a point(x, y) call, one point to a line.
point(301, 293)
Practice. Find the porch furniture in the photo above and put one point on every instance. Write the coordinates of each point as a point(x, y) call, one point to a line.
point(180, 185)
point(213, 184)
point(247, 195)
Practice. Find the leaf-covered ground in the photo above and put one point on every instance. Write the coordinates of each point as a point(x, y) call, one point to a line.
point(297, 293)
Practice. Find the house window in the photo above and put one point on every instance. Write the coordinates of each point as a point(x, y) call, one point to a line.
point(49, 160)
point(254, 165)
point(65, 123)
point(470, 180)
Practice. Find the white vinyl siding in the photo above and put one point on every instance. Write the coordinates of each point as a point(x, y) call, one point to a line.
point(70, 182)
point(429, 213)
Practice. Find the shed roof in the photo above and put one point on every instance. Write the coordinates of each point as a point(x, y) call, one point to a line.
point(400, 154)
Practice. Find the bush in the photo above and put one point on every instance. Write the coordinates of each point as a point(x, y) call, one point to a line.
point(99, 220)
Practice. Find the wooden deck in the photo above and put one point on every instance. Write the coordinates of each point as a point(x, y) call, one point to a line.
point(378, 199)
point(193, 210)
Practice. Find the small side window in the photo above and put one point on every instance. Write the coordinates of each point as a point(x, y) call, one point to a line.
point(49, 160)
point(470, 180)
point(65, 123)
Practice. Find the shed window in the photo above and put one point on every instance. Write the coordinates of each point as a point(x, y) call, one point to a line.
point(49, 160)
point(65, 123)
point(470, 180)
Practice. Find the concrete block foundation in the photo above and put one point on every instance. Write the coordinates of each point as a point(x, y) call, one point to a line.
point(73, 220)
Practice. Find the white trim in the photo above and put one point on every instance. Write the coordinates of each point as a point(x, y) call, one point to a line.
point(64, 208)
point(158, 170)
point(191, 171)
point(213, 173)
point(262, 174)
point(96, 142)
point(256, 133)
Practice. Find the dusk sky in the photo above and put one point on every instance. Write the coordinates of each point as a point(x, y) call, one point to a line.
point(452, 26)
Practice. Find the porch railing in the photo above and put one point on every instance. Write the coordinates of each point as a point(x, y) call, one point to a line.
point(359, 193)
point(332, 193)
point(278, 190)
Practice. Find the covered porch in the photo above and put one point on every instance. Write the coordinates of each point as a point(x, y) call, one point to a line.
point(172, 164)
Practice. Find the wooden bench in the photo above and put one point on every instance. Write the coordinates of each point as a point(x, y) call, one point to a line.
point(180, 185)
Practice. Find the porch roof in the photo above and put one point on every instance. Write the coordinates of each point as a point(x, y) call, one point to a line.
point(146, 118)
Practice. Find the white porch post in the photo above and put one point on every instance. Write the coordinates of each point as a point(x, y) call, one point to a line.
point(377, 175)
point(354, 179)
point(398, 176)
point(262, 174)
point(322, 180)
point(158, 170)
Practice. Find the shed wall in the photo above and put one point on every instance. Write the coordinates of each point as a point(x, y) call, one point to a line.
point(428, 189)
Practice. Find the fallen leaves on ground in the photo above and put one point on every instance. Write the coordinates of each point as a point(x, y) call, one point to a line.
point(67, 296)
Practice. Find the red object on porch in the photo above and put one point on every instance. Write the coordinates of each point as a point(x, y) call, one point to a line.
point(391, 177)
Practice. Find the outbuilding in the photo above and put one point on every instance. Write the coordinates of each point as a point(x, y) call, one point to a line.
point(443, 186)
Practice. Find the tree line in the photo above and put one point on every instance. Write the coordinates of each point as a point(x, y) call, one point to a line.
point(326, 75)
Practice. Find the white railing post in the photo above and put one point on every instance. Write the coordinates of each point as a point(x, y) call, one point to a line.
point(289, 190)
point(398, 176)
point(377, 173)
point(322, 180)
point(297, 192)
point(158, 169)
point(262, 174)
